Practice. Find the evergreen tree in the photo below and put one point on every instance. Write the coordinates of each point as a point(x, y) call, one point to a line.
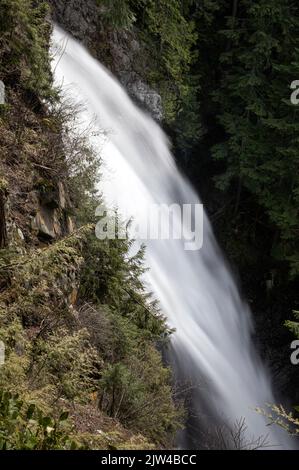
point(260, 59)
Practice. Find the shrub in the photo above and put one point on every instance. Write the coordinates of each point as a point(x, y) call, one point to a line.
point(66, 361)
point(24, 427)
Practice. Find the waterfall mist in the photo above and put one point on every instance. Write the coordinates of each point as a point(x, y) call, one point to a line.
point(212, 346)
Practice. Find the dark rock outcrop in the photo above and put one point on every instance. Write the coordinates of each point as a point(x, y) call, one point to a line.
point(120, 51)
point(51, 219)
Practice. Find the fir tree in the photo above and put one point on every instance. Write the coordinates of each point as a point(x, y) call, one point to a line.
point(260, 59)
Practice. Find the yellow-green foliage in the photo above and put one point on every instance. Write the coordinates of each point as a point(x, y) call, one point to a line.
point(176, 35)
point(168, 35)
point(293, 326)
point(3, 185)
point(78, 327)
point(277, 414)
point(134, 385)
point(136, 388)
point(115, 440)
point(66, 363)
point(44, 277)
point(100, 351)
point(172, 36)
point(24, 37)
point(42, 348)
point(23, 426)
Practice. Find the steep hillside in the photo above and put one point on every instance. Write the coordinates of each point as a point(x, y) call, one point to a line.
point(81, 367)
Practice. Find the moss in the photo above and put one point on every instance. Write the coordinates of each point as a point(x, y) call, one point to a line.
point(3, 185)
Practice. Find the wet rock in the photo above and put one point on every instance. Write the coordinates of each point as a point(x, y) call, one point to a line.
point(126, 51)
point(76, 16)
point(119, 50)
point(46, 222)
point(149, 99)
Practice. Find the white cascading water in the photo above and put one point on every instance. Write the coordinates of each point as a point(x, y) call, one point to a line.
point(195, 289)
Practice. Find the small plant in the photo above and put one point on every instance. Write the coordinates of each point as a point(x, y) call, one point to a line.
point(277, 414)
point(25, 427)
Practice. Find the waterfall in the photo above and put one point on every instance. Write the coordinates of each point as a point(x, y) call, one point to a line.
point(196, 291)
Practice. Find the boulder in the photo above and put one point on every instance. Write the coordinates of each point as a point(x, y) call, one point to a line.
point(46, 222)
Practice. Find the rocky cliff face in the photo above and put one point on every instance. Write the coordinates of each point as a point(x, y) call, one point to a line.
point(35, 204)
point(120, 51)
